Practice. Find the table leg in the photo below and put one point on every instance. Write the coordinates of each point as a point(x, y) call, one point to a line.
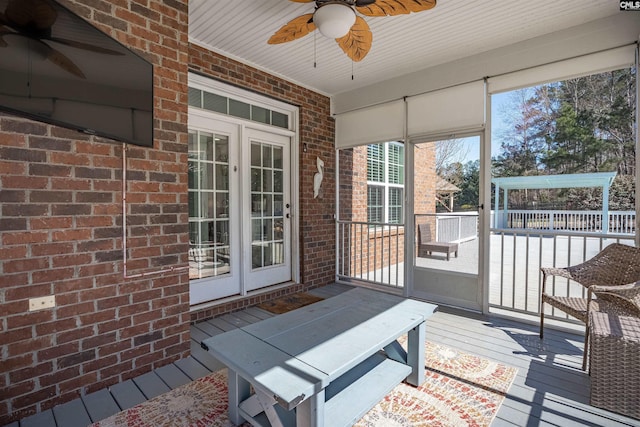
point(239, 390)
point(310, 412)
point(415, 354)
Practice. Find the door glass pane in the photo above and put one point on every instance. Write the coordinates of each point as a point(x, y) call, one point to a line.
point(266, 156)
point(222, 204)
point(277, 181)
point(277, 157)
point(207, 204)
point(256, 158)
point(256, 179)
point(206, 176)
point(256, 205)
point(222, 149)
point(193, 203)
point(267, 195)
point(447, 212)
point(268, 205)
point(209, 214)
point(222, 177)
point(267, 182)
point(193, 149)
point(206, 146)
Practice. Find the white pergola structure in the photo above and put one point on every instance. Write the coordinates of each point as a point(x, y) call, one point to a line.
point(579, 180)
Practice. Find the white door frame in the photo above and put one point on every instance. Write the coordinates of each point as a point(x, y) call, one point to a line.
point(476, 302)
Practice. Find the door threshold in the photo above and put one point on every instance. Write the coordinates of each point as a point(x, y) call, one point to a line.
point(234, 298)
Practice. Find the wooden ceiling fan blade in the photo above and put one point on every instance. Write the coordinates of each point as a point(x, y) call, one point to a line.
point(357, 43)
point(85, 46)
point(294, 29)
point(395, 7)
point(63, 62)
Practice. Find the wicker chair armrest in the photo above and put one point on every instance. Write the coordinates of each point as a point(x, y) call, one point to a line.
point(631, 288)
point(628, 293)
point(554, 271)
point(619, 304)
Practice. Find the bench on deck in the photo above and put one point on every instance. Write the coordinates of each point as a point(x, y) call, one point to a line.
point(426, 244)
point(325, 364)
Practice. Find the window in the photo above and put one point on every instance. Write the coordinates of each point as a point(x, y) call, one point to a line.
point(220, 104)
point(385, 183)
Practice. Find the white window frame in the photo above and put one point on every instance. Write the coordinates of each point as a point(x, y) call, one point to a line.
point(385, 184)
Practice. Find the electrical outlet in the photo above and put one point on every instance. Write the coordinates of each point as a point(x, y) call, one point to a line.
point(42, 303)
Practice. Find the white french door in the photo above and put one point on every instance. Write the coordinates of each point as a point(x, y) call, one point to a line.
point(266, 209)
point(239, 208)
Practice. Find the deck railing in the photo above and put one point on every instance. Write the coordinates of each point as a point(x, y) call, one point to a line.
point(374, 253)
point(517, 255)
point(621, 222)
point(454, 227)
point(371, 252)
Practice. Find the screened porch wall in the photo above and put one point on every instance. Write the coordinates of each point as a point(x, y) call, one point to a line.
point(369, 247)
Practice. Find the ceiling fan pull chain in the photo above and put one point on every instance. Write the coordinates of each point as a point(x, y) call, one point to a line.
point(352, 69)
point(314, 50)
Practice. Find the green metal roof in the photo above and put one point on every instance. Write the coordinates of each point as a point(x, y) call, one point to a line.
point(576, 180)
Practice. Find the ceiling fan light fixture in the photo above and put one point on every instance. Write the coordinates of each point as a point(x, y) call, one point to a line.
point(334, 20)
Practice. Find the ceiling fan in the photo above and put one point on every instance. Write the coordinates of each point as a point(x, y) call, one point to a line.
point(33, 20)
point(337, 19)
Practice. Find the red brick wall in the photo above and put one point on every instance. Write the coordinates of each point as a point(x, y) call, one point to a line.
point(317, 226)
point(61, 234)
point(425, 189)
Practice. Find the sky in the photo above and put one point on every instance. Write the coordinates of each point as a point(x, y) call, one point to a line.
point(497, 124)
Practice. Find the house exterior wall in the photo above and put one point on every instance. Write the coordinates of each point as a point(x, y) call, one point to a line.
point(61, 224)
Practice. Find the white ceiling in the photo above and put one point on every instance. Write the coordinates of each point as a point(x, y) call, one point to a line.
point(403, 44)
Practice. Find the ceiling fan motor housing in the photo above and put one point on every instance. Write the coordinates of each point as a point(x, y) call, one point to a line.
point(335, 19)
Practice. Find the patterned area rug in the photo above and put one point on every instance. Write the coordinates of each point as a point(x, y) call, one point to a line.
point(201, 403)
point(460, 390)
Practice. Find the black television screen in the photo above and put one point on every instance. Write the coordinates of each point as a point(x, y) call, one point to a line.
point(57, 68)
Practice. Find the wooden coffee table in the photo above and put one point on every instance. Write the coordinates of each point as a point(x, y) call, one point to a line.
point(324, 364)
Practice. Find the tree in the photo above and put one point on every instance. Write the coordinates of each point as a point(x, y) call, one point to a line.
point(580, 125)
point(522, 141)
point(448, 153)
point(469, 194)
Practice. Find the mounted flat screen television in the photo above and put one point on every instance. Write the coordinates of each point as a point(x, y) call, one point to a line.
point(57, 68)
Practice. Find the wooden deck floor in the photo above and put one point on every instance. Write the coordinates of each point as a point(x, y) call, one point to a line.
point(549, 390)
